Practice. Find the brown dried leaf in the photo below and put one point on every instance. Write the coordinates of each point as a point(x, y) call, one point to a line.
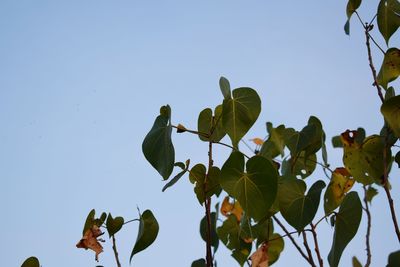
point(260, 257)
point(90, 241)
point(257, 141)
point(228, 208)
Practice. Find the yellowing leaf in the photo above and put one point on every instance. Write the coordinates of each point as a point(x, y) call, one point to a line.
point(228, 208)
point(257, 141)
point(90, 241)
point(260, 257)
point(340, 184)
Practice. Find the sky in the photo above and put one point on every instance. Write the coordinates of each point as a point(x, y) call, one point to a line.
point(82, 82)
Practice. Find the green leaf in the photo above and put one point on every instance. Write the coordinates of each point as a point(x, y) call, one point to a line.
point(203, 230)
point(275, 144)
point(31, 262)
point(391, 112)
point(364, 161)
point(371, 193)
point(178, 176)
point(299, 166)
point(263, 230)
point(114, 224)
point(256, 188)
point(346, 226)
point(394, 259)
point(199, 263)
point(390, 68)
point(352, 6)
point(388, 18)
point(205, 185)
point(148, 231)
point(225, 87)
point(91, 220)
point(240, 112)
point(339, 185)
point(356, 262)
point(275, 247)
point(390, 93)
point(299, 209)
point(336, 141)
point(157, 145)
point(211, 125)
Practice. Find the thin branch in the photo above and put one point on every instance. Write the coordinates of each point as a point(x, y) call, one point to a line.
point(392, 211)
point(191, 131)
point(314, 233)
point(134, 220)
point(287, 235)
point(305, 243)
point(303, 254)
point(207, 204)
point(367, 236)
point(114, 247)
point(368, 27)
point(233, 148)
point(325, 216)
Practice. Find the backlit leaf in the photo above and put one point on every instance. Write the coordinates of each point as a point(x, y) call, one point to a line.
point(356, 262)
point(390, 68)
point(388, 18)
point(352, 6)
point(205, 185)
point(364, 161)
point(275, 144)
point(256, 188)
point(148, 231)
point(347, 222)
point(299, 209)
point(31, 262)
point(339, 185)
point(391, 111)
point(157, 145)
point(240, 112)
point(371, 193)
point(276, 246)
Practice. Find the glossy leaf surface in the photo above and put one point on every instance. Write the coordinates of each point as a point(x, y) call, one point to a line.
point(299, 209)
point(254, 188)
point(157, 145)
point(346, 225)
point(240, 112)
point(148, 231)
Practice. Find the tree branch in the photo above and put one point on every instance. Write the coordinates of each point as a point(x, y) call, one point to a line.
point(367, 236)
point(314, 233)
point(392, 211)
point(288, 234)
point(305, 243)
point(207, 204)
point(114, 247)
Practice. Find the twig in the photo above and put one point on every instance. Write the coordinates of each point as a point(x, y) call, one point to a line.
point(305, 243)
point(367, 236)
point(207, 204)
point(392, 211)
point(368, 27)
point(293, 241)
point(114, 247)
point(223, 144)
point(314, 233)
point(134, 220)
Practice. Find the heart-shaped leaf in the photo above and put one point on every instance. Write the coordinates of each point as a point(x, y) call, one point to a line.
point(391, 111)
point(388, 18)
point(211, 125)
point(240, 112)
point(364, 161)
point(157, 145)
point(390, 68)
point(114, 224)
point(256, 188)
point(148, 231)
point(206, 185)
point(346, 226)
point(299, 209)
point(31, 262)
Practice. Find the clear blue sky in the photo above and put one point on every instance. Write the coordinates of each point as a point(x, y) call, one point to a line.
point(82, 81)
